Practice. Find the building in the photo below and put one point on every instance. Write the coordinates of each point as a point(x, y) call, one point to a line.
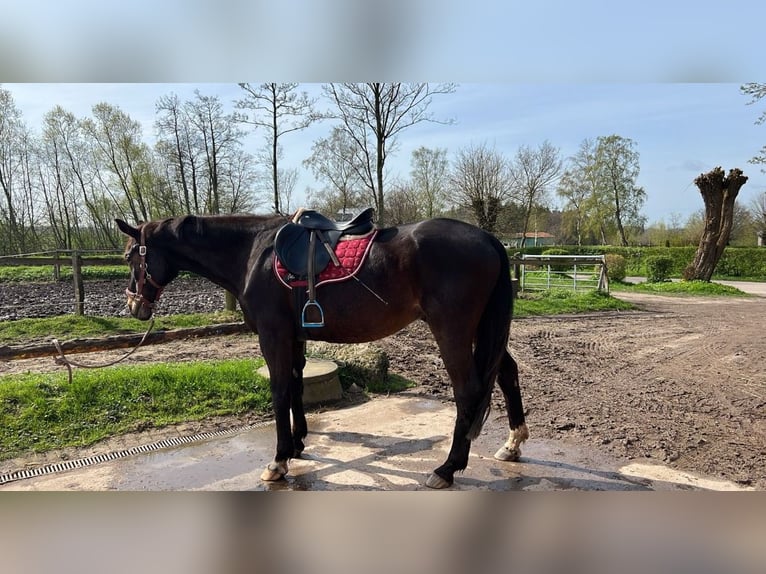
point(533, 239)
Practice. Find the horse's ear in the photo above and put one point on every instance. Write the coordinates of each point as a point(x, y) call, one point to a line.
point(128, 229)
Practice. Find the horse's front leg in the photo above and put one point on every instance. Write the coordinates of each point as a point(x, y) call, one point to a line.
point(279, 358)
point(300, 428)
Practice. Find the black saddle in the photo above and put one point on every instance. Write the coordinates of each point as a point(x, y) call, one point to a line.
point(293, 240)
point(359, 225)
point(296, 248)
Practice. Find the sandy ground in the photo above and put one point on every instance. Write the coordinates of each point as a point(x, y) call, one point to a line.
point(681, 381)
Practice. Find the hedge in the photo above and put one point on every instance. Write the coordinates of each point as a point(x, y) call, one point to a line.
point(736, 262)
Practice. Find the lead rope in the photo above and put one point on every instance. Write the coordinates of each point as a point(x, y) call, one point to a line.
point(62, 359)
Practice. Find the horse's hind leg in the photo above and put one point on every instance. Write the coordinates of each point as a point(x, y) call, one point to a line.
point(299, 427)
point(470, 399)
point(508, 380)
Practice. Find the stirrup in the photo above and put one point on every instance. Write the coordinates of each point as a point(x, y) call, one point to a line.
point(319, 323)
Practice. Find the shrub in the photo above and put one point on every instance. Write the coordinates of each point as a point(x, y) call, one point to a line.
point(555, 251)
point(616, 267)
point(658, 268)
point(736, 262)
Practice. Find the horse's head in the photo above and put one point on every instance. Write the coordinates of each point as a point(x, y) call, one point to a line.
point(150, 271)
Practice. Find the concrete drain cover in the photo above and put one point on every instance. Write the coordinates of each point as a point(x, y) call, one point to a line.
point(320, 381)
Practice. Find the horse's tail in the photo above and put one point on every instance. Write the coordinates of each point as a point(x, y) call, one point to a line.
point(492, 337)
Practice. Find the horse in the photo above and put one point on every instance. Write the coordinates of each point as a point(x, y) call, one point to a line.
point(448, 273)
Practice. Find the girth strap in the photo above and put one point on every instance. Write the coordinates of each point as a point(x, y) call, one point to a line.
point(311, 303)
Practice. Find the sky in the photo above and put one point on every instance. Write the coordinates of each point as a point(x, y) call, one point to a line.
point(665, 74)
point(680, 130)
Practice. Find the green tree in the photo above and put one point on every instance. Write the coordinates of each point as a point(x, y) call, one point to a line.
point(123, 159)
point(757, 92)
point(616, 171)
point(577, 187)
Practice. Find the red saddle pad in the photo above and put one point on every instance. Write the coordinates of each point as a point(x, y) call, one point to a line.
point(351, 251)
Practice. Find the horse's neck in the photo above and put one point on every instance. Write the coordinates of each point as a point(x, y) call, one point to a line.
point(220, 256)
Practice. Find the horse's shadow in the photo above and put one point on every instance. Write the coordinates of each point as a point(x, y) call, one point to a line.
point(305, 475)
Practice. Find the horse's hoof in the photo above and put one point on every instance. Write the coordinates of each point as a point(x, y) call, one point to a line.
point(508, 454)
point(275, 471)
point(437, 482)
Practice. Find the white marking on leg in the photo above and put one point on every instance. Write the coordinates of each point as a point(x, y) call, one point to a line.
point(275, 471)
point(511, 450)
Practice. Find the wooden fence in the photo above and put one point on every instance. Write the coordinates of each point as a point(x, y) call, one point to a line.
point(59, 259)
point(77, 260)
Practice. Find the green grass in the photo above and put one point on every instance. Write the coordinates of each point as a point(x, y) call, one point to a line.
point(43, 411)
point(559, 301)
point(39, 412)
point(85, 326)
point(558, 279)
point(697, 288)
point(44, 273)
point(392, 384)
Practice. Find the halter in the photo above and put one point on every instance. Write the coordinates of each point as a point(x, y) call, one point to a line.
point(143, 276)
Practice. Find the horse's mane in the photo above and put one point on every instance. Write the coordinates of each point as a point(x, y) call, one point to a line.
point(193, 228)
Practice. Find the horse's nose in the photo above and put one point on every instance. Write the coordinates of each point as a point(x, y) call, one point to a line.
point(138, 310)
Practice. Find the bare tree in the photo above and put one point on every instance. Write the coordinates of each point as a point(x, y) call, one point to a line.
point(333, 162)
point(719, 192)
point(429, 179)
point(16, 207)
point(59, 177)
point(403, 204)
point(179, 147)
point(534, 172)
point(219, 137)
point(288, 179)
point(279, 109)
point(481, 181)
point(239, 175)
point(758, 211)
point(373, 115)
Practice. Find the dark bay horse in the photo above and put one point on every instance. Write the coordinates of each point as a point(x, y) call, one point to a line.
point(450, 274)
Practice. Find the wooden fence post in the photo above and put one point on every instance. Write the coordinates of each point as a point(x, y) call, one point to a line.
point(56, 266)
point(229, 301)
point(79, 287)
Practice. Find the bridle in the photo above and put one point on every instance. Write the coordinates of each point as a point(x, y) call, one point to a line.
point(143, 277)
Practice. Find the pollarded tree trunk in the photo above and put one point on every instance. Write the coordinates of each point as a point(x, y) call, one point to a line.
point(719, 193)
